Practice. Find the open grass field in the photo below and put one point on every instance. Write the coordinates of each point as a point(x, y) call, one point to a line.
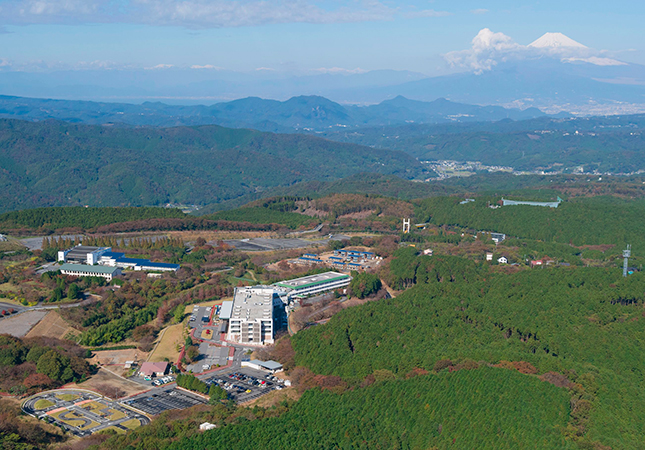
point(102, 410)
point(8, 287)
point(42, 404)
point(274, 398)
point(52, 326)
point(92, 424)
point(11, 245)
point(69, 417)
point(67, 397)
point(106, 378)
point(131, 424)
point(167, 344)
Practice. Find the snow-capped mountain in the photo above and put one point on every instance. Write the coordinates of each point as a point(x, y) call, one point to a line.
point(555, 40)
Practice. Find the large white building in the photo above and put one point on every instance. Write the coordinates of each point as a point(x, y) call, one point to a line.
point(314, 284)
point(258, 311)
point(82, 254)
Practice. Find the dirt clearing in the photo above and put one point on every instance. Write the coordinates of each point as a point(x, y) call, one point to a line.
point(118, 357)
point(105, 379)
point(52, 325)
point(274, 398)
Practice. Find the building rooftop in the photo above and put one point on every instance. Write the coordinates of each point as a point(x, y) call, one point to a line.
point(147, 263)
point(114, 255)
point(253, 303)
point(153, 367)
point(226, 310)
point(86, 268)
point(81, 251)
point(271, 365)
point(312, 280)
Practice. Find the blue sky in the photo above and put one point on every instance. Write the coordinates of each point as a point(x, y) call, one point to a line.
point(299, 36)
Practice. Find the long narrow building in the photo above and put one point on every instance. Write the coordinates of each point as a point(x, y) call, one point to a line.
point(315, 284)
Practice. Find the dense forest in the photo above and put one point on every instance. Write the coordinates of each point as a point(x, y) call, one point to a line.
point(49, 219)
point(104, 166)
point(585, 324)
point(483, 408)
point(583, 221)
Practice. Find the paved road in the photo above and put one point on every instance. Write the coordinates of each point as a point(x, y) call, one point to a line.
point(36, 243)
point(263, 244)
point(48, 267)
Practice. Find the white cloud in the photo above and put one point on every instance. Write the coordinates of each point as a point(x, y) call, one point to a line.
point(489, 49)
point(478, 11)
point(427, 13)
point(160, 67)
point(265, 69)
point(206, 66)
point(196, 14)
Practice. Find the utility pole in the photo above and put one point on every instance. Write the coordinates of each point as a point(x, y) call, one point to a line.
point(626, 254)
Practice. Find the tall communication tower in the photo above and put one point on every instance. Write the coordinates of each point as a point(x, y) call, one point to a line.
point(626, 254)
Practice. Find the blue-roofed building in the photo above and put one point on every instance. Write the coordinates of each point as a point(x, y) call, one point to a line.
point(115, 259)
point(163, 267)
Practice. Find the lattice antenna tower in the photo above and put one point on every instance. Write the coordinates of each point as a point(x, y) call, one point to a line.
point(626, 254)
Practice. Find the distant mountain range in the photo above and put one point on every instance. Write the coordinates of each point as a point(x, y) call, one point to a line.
point(304, 112)
point(553, 73)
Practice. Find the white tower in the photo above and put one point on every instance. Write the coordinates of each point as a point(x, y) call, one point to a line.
point(406, 226)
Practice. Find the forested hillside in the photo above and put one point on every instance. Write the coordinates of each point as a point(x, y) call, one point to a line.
point(484, 408)
point(608, 144)
point(581, 221)
point(80, 217)
point(58, 164)
point(585, 324)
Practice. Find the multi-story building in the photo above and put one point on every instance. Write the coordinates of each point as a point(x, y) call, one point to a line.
point(257, 313)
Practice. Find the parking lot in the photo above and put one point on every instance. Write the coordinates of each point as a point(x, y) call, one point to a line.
point(210, 356)
point(157, 401)
point(245, 384)
point(198, 314)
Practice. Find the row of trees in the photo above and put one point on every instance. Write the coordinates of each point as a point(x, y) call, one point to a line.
point(191, 382)
point(159, 242)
